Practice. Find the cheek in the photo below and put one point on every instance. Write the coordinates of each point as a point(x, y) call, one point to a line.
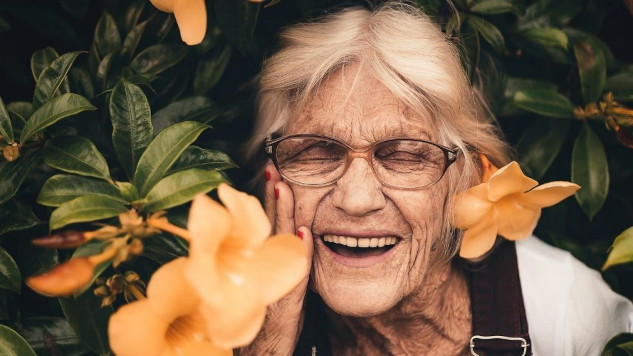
point(307, 200)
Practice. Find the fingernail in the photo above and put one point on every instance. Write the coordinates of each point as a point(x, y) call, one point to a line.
point(267, 175)
point(276, 193)
point(300, 234)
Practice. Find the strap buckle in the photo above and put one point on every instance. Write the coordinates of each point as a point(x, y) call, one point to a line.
point(524, 344)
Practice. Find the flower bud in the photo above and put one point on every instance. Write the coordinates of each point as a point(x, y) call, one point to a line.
point(11, 153)
point(64, 279)
point(63, 239)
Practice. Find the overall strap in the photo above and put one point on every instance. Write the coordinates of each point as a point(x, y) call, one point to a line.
point(499, 324)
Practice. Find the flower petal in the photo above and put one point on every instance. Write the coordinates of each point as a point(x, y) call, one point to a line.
point(548, 194)
point(515, 220)
point(170, 293)
point(164, 5)
point(470, 206)
point(135, 329)
point(191, 16)
point(235, 329)
point(64, 279)
point(209, 224)
point(252, 225)
point(480, 238)
point(507, 180)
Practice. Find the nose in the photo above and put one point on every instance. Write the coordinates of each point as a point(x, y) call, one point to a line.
point(358, 192)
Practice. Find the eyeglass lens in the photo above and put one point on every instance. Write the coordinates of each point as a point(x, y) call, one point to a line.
point(398, 163)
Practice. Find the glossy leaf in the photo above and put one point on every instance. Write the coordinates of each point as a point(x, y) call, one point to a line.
point(86, 208)
point(544, 13)
point(89, 320)
point(12, 174)
point(10, 277)
point(619, 345)
point(195, 108)
point(128, 191)
point(132, 14)
point(92, 248)
point(592, 68)
point(76, 154)
point(622, 249)
point(61, 188)
point(546, 36)
point(163, 152)
point(107, 38)
point(237, 19)
point(41, 59)
point(22, 108)
point(34, 260)
point(209, 71)
point(12, 344)
point(6, 128)
point(590, 170)
point(80, 82)
point(540, 144)
point(621, 84)
point(492, 7)
point(546, 102)
point(162, 248)
point(196, 157)
point(132, 39)
point(16, 215)
point(157, 58)
point(52, 111)
point(181, 187)
point(52, 81)
point(131, 124)
point(46, 333)
point(103, 70)
point(488, 31)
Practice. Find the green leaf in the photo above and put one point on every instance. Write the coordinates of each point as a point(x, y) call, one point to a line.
point(181, 187)
point(131, 124)
point(52, 80)
point(429, 7)
point(590, 170)
point(76, 154)
point(128, 191)
point(80, 82)
point(488, 31)
point(89, 320)
point(547, 102)
point(163, 152)
point(237, 19)
point(132, 39)
point(93, 247)
point(546, 36)
point(103, 70)
point(195, 108)
point(157, 58)
point(52, 111)
point(16, 215)
point(10, 278)
point(162, 248)
point(540, 144)
point(42, 333)
point(106, 37)
point(544, 13)
point(41, 59)
point(209, 71)
point(61, 188)
point(34, 260)
point(621, 84)
point(622, 249)
point(132, 14)
point(22, 108)
point(196, 157)
point(12, 174)
point(12, 344)
point(6, 129)
point(86, 208)
point(492, 7)
point(592, 68)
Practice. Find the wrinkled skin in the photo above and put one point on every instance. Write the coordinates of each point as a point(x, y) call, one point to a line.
point(409, 303)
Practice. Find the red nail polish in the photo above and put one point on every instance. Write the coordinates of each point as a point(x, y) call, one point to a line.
point(267, 175)
point(276, 193)
point(300, 234)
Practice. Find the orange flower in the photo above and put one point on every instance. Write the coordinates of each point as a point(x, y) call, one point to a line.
point(191, 17)
point(508, 204)
point(167, 322)
point(234, 266)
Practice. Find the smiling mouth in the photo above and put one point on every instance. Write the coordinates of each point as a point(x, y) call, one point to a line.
point(362, 247)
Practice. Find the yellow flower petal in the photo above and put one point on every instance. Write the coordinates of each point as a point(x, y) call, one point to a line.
point(515, 221)
point(209, 224)
point(548, 194)
point(64, 279)
point(191, 17)
point(480, 238)
point(507, 180)
point(170, 293)
point(252, 226)
point(135, 329)
point(470, 206)
point(164, 5)
point(236, 328)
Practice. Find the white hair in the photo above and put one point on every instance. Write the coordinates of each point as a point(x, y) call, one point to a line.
point(409, 54)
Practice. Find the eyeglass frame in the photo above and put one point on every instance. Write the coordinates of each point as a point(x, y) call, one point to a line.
point(270, 147)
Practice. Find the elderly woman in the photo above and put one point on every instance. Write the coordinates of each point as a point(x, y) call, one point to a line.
point(373, 128)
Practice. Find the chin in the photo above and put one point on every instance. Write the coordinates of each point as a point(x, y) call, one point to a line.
point(359, 301)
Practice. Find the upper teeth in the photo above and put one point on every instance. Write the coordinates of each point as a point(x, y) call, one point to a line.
point(360, 242)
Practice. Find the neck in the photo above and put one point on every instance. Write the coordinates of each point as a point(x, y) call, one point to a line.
point(436, 319)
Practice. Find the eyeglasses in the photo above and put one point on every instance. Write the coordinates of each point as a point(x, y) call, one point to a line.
point(402, 163)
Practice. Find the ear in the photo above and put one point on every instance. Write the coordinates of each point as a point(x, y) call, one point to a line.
point(487, 168)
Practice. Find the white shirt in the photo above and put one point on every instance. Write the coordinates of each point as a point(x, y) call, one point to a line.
point(570, 310)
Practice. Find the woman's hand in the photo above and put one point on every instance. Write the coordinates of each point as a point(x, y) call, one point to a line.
point(284, 319)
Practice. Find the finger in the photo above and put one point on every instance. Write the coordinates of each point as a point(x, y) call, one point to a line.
point(285, 209)
point(305, 234)
point(272, 177)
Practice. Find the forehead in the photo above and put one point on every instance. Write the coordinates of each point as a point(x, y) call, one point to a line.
point(353, 106)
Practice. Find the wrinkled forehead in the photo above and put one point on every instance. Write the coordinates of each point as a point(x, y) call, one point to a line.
point(353, 106)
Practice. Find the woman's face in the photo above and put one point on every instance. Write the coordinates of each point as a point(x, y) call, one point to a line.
point(354, 107)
